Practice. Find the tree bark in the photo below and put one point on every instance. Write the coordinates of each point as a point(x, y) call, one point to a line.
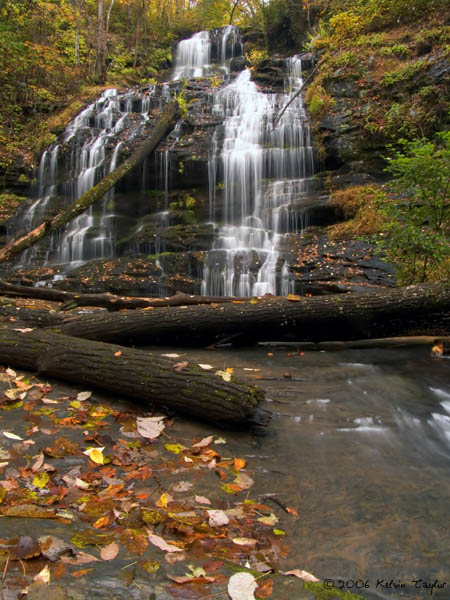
point(392, 312)
point(162, 126)
point(109, 301)
point(135, 374)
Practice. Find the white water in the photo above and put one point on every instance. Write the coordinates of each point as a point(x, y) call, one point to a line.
point(267, 166)
point(86, 152)
point(194, 55)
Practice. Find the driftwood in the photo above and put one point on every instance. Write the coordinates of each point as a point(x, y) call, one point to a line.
point(109, 301)
point(415, 310)
point(162, 126)
point(135, 374)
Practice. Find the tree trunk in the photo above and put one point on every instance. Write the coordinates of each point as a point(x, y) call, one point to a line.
point(162, 126)
point(109, 301)
point(135, 374)
point(392, 312)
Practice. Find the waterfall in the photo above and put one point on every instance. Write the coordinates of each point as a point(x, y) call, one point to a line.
point(266, 170)
point(87, 151)
point(260, 169)
point(206, 53)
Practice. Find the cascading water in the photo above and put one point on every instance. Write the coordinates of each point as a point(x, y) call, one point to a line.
point(267, 167)
point(88, 150)
point(259, 170)
point(207, 52)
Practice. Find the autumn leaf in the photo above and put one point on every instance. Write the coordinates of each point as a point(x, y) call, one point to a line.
point(239, 463)
point(96, 455)
point(150, 427)
point(118, 353)
point(294, 298)
point(241, 586)
point(43, 576)
point(160, 543)
point(292, 511)
point(205, 367)
point(271, 520)
point(12, 436)
point(174, 448)
point(244, 541)
point(179, 366)
point(204, 442)
point(226, 376)
point(83, 396)
point(217, 518)
point(110, 551)
point(301, 575)
point(40, 480)
point(202, 500)
point(2, 493)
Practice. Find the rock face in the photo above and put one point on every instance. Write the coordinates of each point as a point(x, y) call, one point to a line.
point(152, 235)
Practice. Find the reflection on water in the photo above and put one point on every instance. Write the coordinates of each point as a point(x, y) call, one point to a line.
point(360, 445)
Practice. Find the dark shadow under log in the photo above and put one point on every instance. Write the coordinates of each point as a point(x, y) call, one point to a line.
point(135, 374)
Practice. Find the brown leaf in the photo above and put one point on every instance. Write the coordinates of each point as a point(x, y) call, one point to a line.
point(186, 579)
point(204, 442)
point(52, 547)
point(179, 366)
point(264, 589)
point(82, 572)
point(302, 575)
point(23, 547)
point(110, 551)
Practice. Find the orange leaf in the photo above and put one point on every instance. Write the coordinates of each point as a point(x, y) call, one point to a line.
point(291, 510)
point(118, 353)
point(239, 463)
point(81, 572)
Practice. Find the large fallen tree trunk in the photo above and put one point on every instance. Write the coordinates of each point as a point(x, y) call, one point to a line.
point(109, 301)
point(162, 126)
point(382, 313)
point(136, 374)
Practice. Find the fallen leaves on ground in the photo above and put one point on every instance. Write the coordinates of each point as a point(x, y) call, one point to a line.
point(132, 497)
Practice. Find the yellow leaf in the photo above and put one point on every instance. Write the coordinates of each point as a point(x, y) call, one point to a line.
point(226, 376)
point(174, 448)
point(254, 301)
point(40, 480)
point(162, 502)
point(294, 298)
point(96, 455)
point(2, 493)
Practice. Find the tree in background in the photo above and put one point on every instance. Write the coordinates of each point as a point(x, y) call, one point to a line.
point(416, 231)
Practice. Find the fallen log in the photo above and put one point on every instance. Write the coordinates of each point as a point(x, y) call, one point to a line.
point(162, 126)
point(415, 310)
point(109, 301)
point(135, 374)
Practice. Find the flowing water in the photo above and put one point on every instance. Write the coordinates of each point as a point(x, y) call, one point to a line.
point(359, 445)
point(267, 166)
point(88, 150)
point(259, 172)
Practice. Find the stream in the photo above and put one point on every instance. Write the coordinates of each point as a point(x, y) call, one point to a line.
point(359, 445)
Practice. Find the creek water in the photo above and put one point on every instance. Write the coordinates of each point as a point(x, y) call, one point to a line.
point(359, 445)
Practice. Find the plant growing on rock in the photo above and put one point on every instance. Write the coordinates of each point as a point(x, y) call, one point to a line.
point(416, 220)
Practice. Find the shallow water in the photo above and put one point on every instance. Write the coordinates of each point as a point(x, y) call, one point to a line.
point(359, 445)
point(361, 448)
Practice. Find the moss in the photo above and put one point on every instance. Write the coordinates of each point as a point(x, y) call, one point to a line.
point(8, 205)
point(403, 73)
point(318, 101)
point(357, 206)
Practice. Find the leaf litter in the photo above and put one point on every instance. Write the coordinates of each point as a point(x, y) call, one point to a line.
point(130, 494)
